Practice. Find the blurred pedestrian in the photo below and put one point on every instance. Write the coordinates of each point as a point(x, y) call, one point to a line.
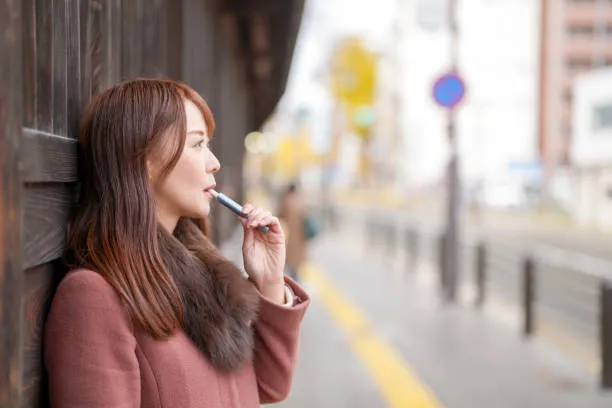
point(151, 313)
point(292, 212)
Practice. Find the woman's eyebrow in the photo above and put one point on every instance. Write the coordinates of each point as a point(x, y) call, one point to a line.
point(197, 132)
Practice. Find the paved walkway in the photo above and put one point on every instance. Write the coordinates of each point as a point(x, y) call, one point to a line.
point(457, 356)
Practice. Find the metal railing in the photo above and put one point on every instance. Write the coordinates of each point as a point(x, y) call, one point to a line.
point(545, 285)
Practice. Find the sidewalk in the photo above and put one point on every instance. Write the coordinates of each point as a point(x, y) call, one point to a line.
point(466, 358)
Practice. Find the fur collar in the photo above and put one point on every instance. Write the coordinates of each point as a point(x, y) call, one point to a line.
point(219, 302)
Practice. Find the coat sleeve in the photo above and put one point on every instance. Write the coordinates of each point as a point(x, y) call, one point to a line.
point(277, 332)
point(89, 346)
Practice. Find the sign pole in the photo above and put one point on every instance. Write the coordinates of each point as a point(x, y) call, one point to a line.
point(451, 264)
point(448, 92)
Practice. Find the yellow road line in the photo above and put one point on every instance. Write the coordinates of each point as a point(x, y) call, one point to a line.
point(398, 384)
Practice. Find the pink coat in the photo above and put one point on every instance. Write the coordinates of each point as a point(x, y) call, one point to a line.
point(95, 358)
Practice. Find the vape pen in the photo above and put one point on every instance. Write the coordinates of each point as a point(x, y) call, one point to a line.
point(234, 207)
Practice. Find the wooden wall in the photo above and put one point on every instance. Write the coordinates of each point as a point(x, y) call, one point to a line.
point(56, 54)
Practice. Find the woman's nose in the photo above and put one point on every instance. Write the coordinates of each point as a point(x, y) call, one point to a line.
point(213, 164)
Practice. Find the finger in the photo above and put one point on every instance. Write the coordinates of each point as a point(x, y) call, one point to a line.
point(254, 216)
point(267, 218)
point(264, 221)
point(259, 219)
point(273, 221)
point(248, 237)
point(247, 208)
point(243, 221)
point(275, 225)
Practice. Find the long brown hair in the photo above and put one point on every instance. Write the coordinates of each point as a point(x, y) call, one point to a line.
point(114, 229)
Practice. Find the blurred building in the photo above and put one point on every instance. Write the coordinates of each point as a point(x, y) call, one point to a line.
point(576, 37)
point(591, 148)
point(497, 123)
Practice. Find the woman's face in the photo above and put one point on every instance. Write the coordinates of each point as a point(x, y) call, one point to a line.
point(183, 193)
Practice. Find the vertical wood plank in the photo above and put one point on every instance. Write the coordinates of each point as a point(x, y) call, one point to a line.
point(60, 78)
point(101, 46)
point(44, 64)
point(114, 54)
point(86, 45)
point(127, 13)
point(174, 38)
point(11, 120)
point(131, 38)
point(153, 53)
point(29, 63)
point(73, 68)
point(201, 65)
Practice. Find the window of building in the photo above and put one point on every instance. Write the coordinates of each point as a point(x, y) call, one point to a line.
point(580, 30)
point(578, 64)
point(602, 117)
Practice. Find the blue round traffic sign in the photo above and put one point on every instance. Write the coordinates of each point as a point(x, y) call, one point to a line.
point(448, 90)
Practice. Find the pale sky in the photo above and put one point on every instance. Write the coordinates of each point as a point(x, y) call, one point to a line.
point(325, 21)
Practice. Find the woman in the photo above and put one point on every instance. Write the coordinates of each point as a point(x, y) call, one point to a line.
point(151, 313)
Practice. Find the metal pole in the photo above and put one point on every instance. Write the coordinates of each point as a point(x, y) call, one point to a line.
point(451, 264)
point(605, 316)
point(528, 296)
point(481, 274)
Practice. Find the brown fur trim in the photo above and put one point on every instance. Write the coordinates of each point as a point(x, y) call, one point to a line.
point(219, 302)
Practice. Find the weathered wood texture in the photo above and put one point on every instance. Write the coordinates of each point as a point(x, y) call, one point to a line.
point(11, 120)
point(57, 54)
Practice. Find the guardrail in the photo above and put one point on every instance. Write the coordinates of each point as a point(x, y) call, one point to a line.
point(543, 284)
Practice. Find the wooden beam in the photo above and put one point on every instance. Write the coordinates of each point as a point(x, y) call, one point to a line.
point(11, 120)
point(51, 158)
point(47, 208)
point(246, 8)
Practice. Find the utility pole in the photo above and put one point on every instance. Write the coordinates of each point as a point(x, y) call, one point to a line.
point(451, 246)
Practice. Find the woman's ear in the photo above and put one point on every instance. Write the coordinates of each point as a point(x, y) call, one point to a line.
point(152, 171)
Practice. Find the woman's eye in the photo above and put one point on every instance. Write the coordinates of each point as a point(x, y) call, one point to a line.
point(202, 143)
